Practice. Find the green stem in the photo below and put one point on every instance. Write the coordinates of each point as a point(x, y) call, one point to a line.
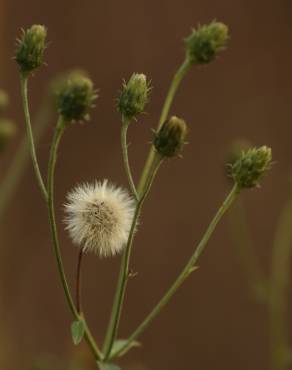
point(242, 240)
point(124, 271)
point(19, 163)
point(125, 125)
point(24, 94)
point(52, 219)
point(281, 258)
point(190, 266)
point(181, 72)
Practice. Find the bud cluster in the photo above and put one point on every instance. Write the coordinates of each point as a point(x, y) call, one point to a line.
point(251, 166)
point(30, 48)
point(205, 42)
point(170, 138)
point(75, 97)
point(134, 96)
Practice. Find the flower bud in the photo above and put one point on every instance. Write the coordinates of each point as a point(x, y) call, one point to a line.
point(170, 138)
point(30, 48)
point(75, 97)
point(237, 147)
point(134, 96)
point(251, 166)
point(4, 100)
point(7, 132)
point(206, 42)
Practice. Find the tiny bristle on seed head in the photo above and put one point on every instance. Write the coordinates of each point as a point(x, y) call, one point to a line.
point(99, 217)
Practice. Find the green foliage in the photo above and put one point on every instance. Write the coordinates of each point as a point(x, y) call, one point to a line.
point(77, 331)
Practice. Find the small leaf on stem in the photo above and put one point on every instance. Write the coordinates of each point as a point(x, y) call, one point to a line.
point(77, 331)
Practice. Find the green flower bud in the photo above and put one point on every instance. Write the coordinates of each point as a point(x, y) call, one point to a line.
point(7, 132)
point(235, 152)
point(4, 100)
point(30, 48)
point(251, 166)
point(134, 96)
point(206, 42)
point(75, 97)
point(170, 138)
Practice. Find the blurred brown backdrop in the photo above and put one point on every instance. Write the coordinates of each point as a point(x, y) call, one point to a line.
point(212, 323)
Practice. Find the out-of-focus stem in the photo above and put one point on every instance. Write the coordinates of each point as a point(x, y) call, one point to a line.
point(281, 260)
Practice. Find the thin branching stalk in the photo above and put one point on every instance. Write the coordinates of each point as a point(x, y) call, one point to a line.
point(190, 266)
point(78, 281)
point(125, 125)
point(30, 138)
point(12, 177)
point(124, 271)
point(242, 239)
point(52, 219)
point(181, 72)
point(281, 259)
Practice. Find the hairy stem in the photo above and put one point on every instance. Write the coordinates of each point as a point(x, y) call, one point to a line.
point(181, 72)
point(52, 219)
point(281, 258)
point(125, 125)
point(124, 271)
point(190, 266)
point(24, 94)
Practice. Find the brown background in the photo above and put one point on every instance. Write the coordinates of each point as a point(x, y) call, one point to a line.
point(212, 322)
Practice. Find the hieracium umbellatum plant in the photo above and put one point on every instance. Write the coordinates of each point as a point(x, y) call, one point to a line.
point(102, 218)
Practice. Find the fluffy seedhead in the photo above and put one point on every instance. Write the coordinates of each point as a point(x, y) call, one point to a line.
point(99, 217)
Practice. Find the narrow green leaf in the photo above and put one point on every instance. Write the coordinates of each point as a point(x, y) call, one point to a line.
point(77, 331)
point(119, 343)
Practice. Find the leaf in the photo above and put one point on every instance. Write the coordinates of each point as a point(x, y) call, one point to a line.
point(77, 331)
point(119, 343)
point(103, 366)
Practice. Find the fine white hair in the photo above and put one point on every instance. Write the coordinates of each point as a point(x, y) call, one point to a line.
point(99, 217)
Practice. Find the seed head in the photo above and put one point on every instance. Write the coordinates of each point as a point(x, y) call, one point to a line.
point(75, 97)
point(99, 217)
point(251, 166)
point(170, 138)
point(205, 42)
point(30, 48)
point(134, 96)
